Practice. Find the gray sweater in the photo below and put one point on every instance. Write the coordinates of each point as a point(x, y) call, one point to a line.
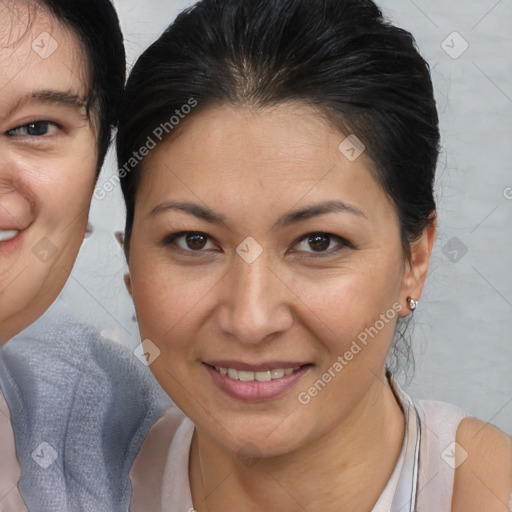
point(80, 408)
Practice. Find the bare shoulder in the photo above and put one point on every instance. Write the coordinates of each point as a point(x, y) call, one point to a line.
point(483, 478)
point(486, 444)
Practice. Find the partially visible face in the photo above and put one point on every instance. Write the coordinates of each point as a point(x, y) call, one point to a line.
point(48, 161)
point(322, 276)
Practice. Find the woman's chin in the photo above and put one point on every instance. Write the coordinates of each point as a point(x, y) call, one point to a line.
point(266, 440)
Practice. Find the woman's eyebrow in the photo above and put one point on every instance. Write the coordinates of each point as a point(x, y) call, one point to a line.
point(202, 212)
point(205, 213)
point(62, 98)
point(314, 210)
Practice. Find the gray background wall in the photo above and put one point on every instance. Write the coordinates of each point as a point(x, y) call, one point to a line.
point(462, 337)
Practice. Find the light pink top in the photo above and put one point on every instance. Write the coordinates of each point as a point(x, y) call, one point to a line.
point(167, 462)
point(10, 471)
point(168, 468)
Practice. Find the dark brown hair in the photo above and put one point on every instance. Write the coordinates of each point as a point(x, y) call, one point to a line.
point(339, 56)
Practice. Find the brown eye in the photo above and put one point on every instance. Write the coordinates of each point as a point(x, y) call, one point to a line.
point(191, 241)
point(319, 242)
point(196, 241)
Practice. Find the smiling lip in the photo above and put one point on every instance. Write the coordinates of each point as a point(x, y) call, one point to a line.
point(12, 228)
point(255, 383)
point(8, 234)
point(7, 247)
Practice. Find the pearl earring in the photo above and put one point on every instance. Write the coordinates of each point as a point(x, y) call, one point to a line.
point(413, 304)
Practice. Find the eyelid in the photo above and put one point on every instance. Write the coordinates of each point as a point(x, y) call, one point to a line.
point(343, 242)
point(9, 133)
point(169, 239)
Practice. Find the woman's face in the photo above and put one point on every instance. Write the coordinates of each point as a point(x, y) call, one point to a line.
point(261, 248)
point(48, 161)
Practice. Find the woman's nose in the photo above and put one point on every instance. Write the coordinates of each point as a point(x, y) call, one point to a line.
point(255, 304)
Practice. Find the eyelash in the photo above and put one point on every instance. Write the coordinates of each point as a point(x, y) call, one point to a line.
point(343, 243)
point(171, 239)
point(11, 132)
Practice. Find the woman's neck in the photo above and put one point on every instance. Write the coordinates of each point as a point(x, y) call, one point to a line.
point(345, 470)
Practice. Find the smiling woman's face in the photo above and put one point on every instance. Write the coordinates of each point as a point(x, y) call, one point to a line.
point(48, 161)
point(323, 267)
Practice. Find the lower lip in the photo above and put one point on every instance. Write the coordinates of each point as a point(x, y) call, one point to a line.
point(256, 391)
point(10, 246)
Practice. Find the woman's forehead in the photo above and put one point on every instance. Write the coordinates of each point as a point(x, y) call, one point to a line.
point(290, 134)
point(229, 156)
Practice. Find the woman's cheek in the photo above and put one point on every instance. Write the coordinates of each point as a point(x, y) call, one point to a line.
point(161, 296)
point(349, 320)
point(336, 300)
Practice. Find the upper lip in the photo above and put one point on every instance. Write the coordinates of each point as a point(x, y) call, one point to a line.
point(255, 367)
point(2, 228)
point(16, 212)
point(9, 222)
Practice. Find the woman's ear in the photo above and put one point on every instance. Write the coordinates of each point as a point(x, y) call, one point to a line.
point(128, 283)
point(417, 267)
point(119, 237)
point(127, 279)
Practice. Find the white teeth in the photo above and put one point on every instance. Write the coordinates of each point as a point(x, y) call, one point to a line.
point(264, 376)
point(245, 376)
point(277, 374)
point(8, 234)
